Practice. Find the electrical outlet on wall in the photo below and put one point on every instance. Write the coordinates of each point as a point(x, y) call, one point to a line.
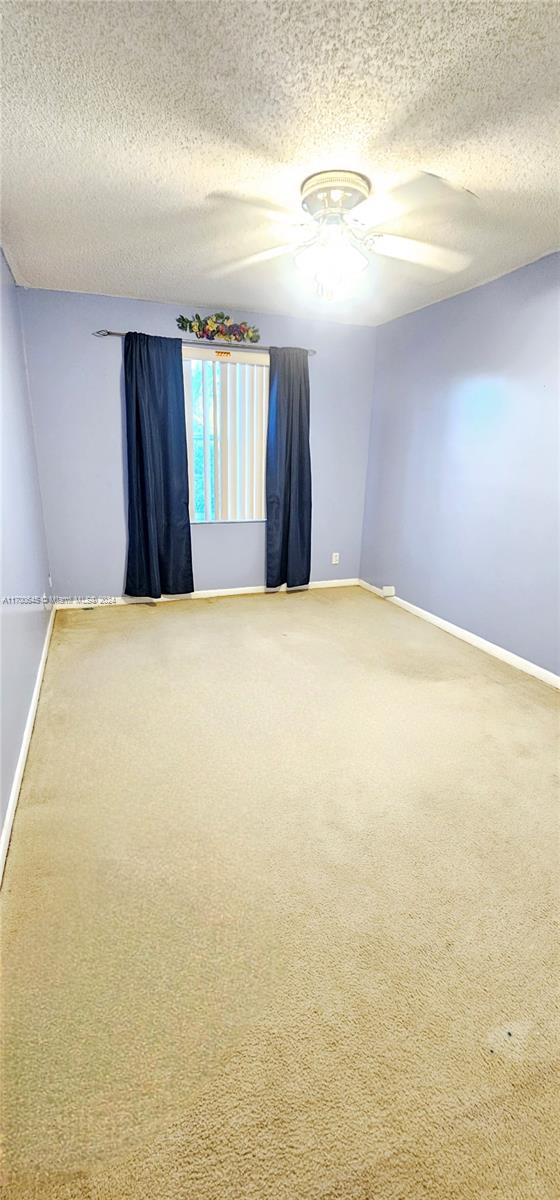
point(388, 590)
point(335, 558)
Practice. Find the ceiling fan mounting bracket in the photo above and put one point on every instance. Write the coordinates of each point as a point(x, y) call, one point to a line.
point(329, 193)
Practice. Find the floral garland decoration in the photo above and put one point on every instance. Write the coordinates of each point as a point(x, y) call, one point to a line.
point(219, 326)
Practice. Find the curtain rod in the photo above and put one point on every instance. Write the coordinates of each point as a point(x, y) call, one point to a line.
point(197, 342)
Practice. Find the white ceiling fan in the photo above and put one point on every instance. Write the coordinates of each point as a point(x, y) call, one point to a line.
point(341, 230)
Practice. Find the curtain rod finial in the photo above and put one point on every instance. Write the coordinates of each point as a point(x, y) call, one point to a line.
point(101, 333)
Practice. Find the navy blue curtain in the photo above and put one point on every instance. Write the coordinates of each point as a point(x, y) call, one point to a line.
point(288, 470)
point(159, 531)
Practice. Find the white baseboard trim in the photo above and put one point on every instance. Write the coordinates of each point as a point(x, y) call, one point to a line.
point(370, 587)
point(22, 758)
point(327, 583)
point(209, 594)
point(507, 656)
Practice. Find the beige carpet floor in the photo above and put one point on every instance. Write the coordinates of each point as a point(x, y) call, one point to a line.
point(278, 916)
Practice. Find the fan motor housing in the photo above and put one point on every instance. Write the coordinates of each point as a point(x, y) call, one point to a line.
point(333, 192)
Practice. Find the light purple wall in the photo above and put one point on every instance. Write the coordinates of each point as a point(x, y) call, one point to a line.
point(76, 388)
point(24, 553)
point(462, 500)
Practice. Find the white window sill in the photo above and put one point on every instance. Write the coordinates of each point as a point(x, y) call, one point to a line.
point(241, 521)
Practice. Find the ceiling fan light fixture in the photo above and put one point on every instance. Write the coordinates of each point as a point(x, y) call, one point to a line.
point(344, 242)
point(333, 261)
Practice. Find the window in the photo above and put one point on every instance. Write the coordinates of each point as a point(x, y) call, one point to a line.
point(226, 403)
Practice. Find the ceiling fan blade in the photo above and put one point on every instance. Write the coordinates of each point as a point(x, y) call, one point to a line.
point(428, 188)
point(423, 254)
point(252, 259)
point(267, 208)
point(424, 190)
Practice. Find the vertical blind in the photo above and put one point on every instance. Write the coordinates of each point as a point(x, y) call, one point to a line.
point(226, 404)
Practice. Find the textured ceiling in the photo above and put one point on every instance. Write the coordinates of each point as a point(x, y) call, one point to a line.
point(121, 121)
